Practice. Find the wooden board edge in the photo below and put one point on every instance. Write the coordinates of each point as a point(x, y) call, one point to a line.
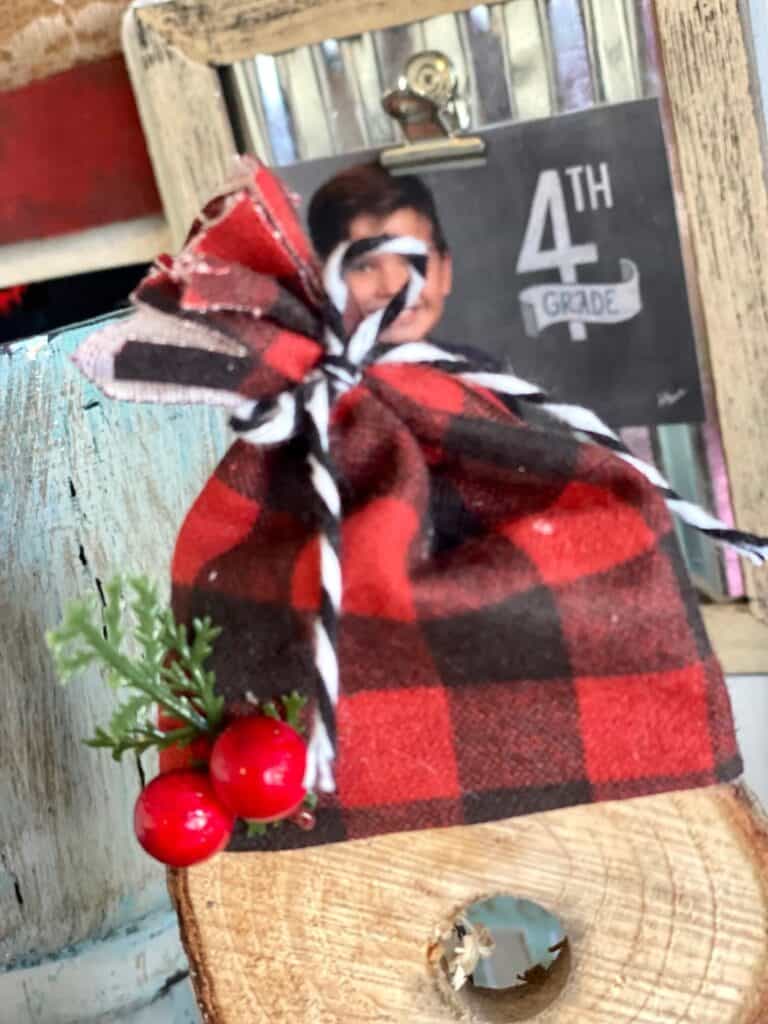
point(750, 817)
point(718, 144)
point(189, 136)
point(738, 638)
point(234, 30)
point(200, 977)
point(114, 245)
point(750, 823)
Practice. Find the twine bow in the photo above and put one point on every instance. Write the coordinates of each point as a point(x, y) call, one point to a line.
point(307, 410)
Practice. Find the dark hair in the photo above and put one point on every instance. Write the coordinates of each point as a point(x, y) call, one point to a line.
point(372, 190)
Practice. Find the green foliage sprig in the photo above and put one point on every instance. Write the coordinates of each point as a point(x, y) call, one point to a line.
point(166, 667)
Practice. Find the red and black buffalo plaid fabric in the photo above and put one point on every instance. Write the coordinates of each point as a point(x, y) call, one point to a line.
point(518, 632)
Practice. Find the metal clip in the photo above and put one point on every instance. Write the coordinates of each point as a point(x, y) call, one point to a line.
point(425, 105)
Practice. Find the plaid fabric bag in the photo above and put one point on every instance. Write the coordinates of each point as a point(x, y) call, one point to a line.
point(489, 614)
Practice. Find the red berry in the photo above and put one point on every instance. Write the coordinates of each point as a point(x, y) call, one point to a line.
point(174, 757)
point(179, 821)
point(257, 768)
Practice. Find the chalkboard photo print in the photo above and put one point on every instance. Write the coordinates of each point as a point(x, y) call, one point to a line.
point(558, 254)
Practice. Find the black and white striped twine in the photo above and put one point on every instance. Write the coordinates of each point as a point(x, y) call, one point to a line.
point(307, 410)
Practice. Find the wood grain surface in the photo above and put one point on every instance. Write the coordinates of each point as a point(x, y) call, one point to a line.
point(90, 488)
point(663, 899)
point(738, 637)
point(186, 124)
point(717, 140)
point(231, 30)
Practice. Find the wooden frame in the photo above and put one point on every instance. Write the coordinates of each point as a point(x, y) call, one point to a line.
point(171, 46)
point(100, 248)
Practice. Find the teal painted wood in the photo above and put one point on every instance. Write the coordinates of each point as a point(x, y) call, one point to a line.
point(88, 488)
point(139, 974)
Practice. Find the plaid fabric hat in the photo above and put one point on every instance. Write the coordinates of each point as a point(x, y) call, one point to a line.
point(490, 615)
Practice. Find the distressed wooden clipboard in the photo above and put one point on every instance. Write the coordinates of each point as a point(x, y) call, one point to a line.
point(664, 898)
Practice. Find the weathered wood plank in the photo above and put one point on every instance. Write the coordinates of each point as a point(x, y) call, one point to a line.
point(186, 123)
point(232, 30)
point(738, 637)
point(90, 488)
point(721, 165)
point(39, 38)
point(140, 965)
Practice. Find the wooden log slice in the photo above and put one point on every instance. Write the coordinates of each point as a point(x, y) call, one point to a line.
point(663, 899)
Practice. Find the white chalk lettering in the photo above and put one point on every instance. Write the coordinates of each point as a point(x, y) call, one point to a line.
point(575, 173)
point(597, 187)
point(593, 301)
point(549, 202)
point(544, 305)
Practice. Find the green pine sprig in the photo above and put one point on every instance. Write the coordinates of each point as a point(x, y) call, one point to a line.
point(166, 667)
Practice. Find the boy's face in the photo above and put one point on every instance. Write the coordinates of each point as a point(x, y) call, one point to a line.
point(374, 280)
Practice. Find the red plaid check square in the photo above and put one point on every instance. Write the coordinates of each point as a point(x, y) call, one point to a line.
point(518, 631)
